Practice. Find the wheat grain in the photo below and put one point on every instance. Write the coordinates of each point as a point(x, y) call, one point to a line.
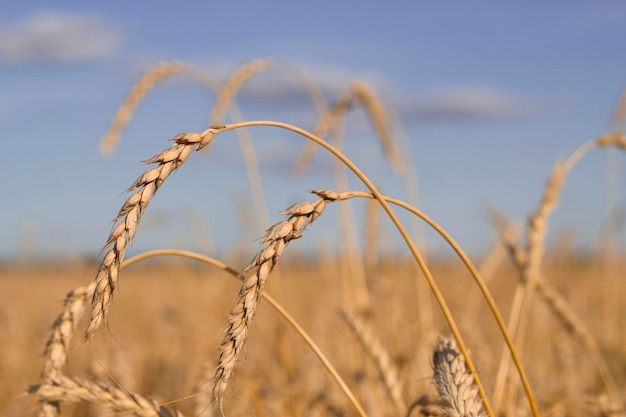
point(128, 219)
point(457, 392)
point(74, 390)
point(242, 314)
point(55, 352)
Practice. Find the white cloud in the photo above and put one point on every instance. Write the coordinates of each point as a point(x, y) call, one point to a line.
point(447, 103)
point(464, 103)
point(51, 36)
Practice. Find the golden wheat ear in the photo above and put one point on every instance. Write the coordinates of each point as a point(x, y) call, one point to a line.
point(458, 394)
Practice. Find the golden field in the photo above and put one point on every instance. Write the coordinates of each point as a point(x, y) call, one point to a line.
point(168, 319)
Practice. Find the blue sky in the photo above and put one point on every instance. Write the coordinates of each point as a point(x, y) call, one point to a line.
point(490, 95)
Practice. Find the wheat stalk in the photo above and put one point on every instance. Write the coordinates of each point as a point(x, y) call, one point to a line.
point(242, 314)
point(561, 309)
point(535, 239)
point(56, 387)
point(74, 390)
point(55, 352)
point(202, 402)
point(455, 384)
point(483, 288)
point(375, 193)
point(128, 219)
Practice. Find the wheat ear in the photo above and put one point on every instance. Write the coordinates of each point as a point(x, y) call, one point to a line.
point(357, 92)
point(375, 193)
point(128, 219)
point(75, 390)
point(535, 246)
point(55, 353)
point(242, 314)
point(455, 384)
point(243, 74)
point(146, 83)
point(202, 401)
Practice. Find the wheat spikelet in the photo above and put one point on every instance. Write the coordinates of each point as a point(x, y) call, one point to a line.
point(536, 234)
point(358, 92)
point(457, 392)
point(148, 81)
point(537, 224)
point(236, 81)
point(242, 314)
point(377, 113)
point(128, 219)
point(374, 348)
point(55, 352)
point(74, 390)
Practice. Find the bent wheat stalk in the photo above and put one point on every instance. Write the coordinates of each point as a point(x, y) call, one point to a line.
point(201, 402)
point(357, 92)
point(56, 387)
point(147, 185)
point(477, 279)
point(407, 239)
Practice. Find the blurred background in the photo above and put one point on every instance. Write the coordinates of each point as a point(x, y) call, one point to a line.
point(488, 95)
point(482, 99)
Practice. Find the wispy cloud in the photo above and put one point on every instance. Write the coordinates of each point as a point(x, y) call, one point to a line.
point(450, 103)
point(463, 103)
point(54, 37)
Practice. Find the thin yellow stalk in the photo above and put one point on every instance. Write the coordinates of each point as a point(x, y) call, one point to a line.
point(477, 278)
point(537, 231)
point(353, 268)
point(356, 93)
point(433, 285)
point(272, 302)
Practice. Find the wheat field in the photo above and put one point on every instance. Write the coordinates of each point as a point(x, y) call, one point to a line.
point(526, 329)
